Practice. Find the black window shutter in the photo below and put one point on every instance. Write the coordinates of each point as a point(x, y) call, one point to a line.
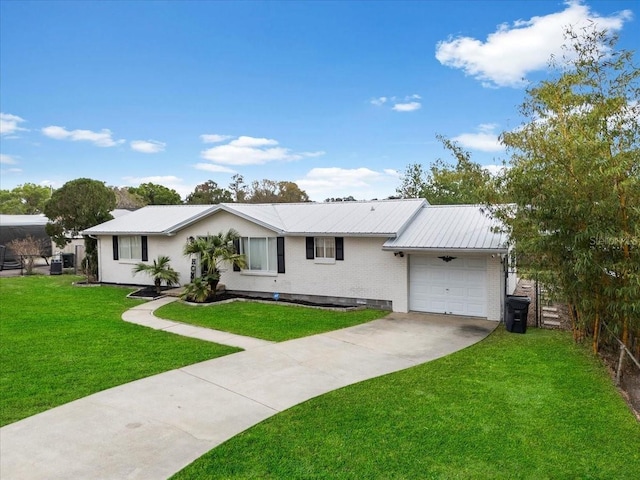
point(280, 246)
point(236, 247)
point(310, 249)
point(145, 249)
point(339, 248)
point(115, 247)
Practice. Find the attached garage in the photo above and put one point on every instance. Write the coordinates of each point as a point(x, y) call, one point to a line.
point(447, 284)
point(457, 261)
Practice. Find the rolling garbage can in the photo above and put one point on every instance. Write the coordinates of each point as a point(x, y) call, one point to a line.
point(68, 260)
point(56, 267)
point(516, 313)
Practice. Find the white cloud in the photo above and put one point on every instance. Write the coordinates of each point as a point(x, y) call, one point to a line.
point(210, 167)
point(11, 170)
point(392, 172)
point(361, 183)
point(148, 146)
point(246, 150)
point(513, 51)
point(10, 124)
point(7, 159)
point(214, 138)
point(400, 104)
point(102, 138)
point(407, 107)
point(485, 140)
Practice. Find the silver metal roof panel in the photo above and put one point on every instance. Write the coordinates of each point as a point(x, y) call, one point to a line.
point(446, 227)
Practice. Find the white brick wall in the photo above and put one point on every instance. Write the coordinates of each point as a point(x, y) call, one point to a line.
point(367, 272)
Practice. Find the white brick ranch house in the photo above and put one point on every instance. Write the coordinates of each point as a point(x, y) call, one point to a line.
point(402, 255)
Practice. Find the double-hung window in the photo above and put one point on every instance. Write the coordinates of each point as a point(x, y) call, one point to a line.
point(130, 247)
point(325, 248)
point(260, 253)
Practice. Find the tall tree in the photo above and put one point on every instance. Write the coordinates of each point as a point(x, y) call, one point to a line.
point(464, 182)
point(27, 199)
point(209, 193)
point(575, 184)
point(413, 182)
point(153, 194)
point(272, 191)
point(76, 206)
point(238, 188)
point(126, 199)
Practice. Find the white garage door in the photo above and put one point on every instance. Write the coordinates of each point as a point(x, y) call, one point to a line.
point(458, 287)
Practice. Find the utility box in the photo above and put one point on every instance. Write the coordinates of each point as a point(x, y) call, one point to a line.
point(516, 310)
point(68, 260)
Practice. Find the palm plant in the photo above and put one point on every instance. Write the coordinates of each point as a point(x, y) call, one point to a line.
point(196, 291)
point(159, 270)
point(214, 251)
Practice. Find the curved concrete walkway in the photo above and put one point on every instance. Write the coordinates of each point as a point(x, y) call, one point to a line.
point(153, 427)
point(143, 315)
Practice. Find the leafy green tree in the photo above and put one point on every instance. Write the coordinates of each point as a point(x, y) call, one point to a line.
point(126, 199)
point(414, 180)
point(272, 191)
point(464, 182)
point(209, 193)
point(76, 206)
point(27, 199)
point(153, 194)
point(160, 270)
point(238, 188)
point(575, 184)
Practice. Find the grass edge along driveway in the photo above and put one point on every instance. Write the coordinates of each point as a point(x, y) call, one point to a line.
point(267, 321)
point(60, 342)
point(512, 406)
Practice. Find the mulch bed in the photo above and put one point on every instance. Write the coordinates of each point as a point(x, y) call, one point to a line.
point(149, 293)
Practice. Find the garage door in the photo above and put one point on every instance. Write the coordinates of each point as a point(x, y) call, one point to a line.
point(458, 287)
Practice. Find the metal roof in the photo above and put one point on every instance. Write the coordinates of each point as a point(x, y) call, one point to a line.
point(153, 219)
point(450, 227)
point(374, 218)
point(22, 220)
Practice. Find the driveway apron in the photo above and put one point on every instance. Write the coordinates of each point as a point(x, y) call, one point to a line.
point(154, 427)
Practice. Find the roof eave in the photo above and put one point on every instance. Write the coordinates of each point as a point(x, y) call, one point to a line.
point(397, 248)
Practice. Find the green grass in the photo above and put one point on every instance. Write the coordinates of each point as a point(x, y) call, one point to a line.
point(266, 321)
point(59, 343)
point(531, 406)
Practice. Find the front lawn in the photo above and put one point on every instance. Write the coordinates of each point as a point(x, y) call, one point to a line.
point(532, 406)
point(59, 343)
point(265, 320)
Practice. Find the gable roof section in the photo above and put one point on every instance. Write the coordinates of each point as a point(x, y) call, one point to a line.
point(450, 227)
point(152, 220)
point(386, 218)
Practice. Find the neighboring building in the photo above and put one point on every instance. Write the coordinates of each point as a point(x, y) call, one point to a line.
point(18, 227)
point(396, 254)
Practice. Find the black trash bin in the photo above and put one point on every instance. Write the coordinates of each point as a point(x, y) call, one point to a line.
point(516, 313)
point(68, 260)
point(56, 267)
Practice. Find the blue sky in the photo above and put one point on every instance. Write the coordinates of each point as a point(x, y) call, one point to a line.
point(337, 96)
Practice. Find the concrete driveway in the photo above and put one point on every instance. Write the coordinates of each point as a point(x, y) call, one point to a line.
point(152, 428)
